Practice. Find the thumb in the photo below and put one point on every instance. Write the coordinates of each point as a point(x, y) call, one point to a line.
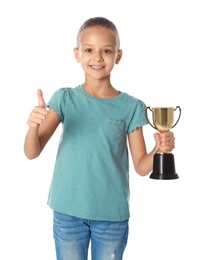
point(157, 138)
point(41, 101)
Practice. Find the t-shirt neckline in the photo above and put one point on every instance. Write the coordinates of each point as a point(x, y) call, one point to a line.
point(100, 99)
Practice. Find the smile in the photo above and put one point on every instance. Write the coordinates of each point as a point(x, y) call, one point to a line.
point(97, 67)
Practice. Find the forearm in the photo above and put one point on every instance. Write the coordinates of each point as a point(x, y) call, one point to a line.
point(164, 142)
point(32, 147)
point(145, 165)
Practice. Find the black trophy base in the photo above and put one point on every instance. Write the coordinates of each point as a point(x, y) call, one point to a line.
point(164, 167)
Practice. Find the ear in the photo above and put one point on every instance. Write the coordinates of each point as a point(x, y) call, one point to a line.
point(76, 54)
point(119, 56)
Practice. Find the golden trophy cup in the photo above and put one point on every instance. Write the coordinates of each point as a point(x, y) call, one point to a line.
point(164, 162)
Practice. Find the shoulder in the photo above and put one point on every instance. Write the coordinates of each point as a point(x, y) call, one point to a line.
point(63, 94)
point(134, 101)
point(61, 100)
point(64, 91)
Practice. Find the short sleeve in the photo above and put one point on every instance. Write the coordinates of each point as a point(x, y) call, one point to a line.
point(58, 102)
point(139, 118)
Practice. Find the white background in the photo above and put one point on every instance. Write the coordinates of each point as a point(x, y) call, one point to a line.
point(162, 65)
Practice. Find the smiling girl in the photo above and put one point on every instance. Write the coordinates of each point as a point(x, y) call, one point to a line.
point(89, 191)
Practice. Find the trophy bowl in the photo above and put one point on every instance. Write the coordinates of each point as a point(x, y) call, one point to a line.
point(164, 161)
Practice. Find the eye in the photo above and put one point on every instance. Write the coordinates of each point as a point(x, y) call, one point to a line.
point(88, 50)
point(107, 51)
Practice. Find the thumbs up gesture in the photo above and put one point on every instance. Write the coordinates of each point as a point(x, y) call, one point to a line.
point(38, 114)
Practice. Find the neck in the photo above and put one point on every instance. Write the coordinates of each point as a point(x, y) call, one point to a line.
point(100, 90)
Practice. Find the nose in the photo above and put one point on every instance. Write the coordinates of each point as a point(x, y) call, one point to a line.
point(98, 56)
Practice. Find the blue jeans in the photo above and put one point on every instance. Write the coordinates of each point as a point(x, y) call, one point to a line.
point(72, 236)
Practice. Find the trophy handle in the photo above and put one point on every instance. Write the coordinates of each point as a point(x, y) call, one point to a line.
point(148, 118)
point(177, 107)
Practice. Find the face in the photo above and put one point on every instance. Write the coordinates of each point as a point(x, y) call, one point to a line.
point(97, 52)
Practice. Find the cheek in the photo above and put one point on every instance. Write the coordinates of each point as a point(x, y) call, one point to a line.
point(83, 59)
point(84, 63)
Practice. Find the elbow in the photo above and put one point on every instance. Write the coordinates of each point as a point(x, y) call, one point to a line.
point(142, 172)
point(30, 155)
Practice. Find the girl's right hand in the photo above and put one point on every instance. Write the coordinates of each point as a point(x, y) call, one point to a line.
point(39, 112)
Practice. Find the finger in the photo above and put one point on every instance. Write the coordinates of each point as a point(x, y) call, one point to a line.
point(167, 142)
point(39, 110)
point(36, 119)
point(41, 101)
point(167, 137)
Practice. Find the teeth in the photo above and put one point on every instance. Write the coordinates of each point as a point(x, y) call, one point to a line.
point(97, 67)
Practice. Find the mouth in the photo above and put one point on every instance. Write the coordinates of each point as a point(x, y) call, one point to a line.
point(95, 67)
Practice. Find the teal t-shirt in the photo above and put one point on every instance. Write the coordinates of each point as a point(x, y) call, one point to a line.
point(91, 178)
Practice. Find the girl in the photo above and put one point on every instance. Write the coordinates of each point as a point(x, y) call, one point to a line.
point(89, 191)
